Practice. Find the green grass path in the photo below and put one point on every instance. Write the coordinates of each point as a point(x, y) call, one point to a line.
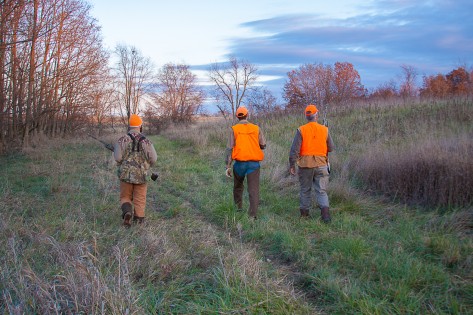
point(193, 188)
point(373, 259)
point(63, 249)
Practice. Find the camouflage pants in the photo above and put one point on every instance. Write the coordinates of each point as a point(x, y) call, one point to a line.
point(317, 178)
point(134, 194)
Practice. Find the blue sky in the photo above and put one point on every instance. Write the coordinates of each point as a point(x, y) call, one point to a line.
point(377, 37)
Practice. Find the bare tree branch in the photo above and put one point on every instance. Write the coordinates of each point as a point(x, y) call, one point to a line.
point(232, 81)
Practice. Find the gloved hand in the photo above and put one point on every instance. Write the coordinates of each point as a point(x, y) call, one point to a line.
point(228, 172)
point(292, 170)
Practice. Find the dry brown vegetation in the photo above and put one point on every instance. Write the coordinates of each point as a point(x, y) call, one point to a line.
point(438, 172)
point(419, 154)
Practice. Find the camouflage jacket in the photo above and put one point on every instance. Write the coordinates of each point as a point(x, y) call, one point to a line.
point(134, 154)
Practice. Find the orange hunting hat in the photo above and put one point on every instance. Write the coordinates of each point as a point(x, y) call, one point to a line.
point(310, 110)
point(241, 111)
point(135, 121)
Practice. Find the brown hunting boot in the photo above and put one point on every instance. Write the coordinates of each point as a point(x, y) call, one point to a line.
point(325, 213)
point(127, 213)
point(304, 213)
point(139, 220)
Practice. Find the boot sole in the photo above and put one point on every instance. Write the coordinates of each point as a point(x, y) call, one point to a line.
point(326, 220)
point(126, 220)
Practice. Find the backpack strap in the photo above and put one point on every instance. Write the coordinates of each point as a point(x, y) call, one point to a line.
point(140, 146)
point(136, 144)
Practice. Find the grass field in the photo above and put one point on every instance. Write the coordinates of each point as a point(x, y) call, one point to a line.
point(387, 251)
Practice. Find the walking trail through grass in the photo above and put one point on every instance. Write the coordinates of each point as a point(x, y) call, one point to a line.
point(192, 188)
point(373, 258)
point(63, 247)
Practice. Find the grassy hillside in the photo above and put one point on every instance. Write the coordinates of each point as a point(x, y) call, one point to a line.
point(63, 249)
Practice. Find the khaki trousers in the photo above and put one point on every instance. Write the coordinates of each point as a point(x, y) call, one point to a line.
point(134, 194)
point(317, 178)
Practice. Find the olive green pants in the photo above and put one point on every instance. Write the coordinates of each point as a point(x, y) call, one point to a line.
point(253, 190)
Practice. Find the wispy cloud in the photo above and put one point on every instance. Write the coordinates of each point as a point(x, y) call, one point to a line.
point(433, 36)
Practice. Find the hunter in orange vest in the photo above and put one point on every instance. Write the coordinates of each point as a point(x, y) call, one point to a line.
point(309, 150)
point(245, 146)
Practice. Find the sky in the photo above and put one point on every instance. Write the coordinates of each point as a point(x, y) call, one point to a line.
point(377, 37)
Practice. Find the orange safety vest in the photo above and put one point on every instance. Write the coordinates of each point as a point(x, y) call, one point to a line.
point(314, 139)
point(246, 143)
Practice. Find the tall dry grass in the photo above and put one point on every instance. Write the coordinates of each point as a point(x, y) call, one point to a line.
point(46, 276)
point(436, 172)
point(417, 153)
point(51, 262)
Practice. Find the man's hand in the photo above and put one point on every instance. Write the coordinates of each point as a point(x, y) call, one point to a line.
point(228, 172)
point(292, 170)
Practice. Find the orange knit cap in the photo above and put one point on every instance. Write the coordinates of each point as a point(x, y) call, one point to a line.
point(241, 111)
point(310, 110)
point(135, 121)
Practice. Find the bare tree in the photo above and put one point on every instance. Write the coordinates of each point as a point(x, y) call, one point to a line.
point(232, 81)
point(262, 101)
point(179, 97)
point(11, 12)
point(134, 76)
point(86, 68)
point(408, 86)
point(102, 100)
point(32, 69)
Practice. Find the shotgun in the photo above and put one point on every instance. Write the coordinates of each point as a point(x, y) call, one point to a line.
point(325, 122)
point(106, 144)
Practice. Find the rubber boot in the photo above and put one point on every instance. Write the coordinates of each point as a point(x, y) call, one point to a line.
point(127, 213)
point(325, 214)
point(304, 213)
point(139, 220)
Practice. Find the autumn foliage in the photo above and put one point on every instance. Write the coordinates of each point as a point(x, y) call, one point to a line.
point(458, 82)
point(319, 83)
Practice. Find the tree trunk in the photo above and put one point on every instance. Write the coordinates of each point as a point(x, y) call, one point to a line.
point(31, 79)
